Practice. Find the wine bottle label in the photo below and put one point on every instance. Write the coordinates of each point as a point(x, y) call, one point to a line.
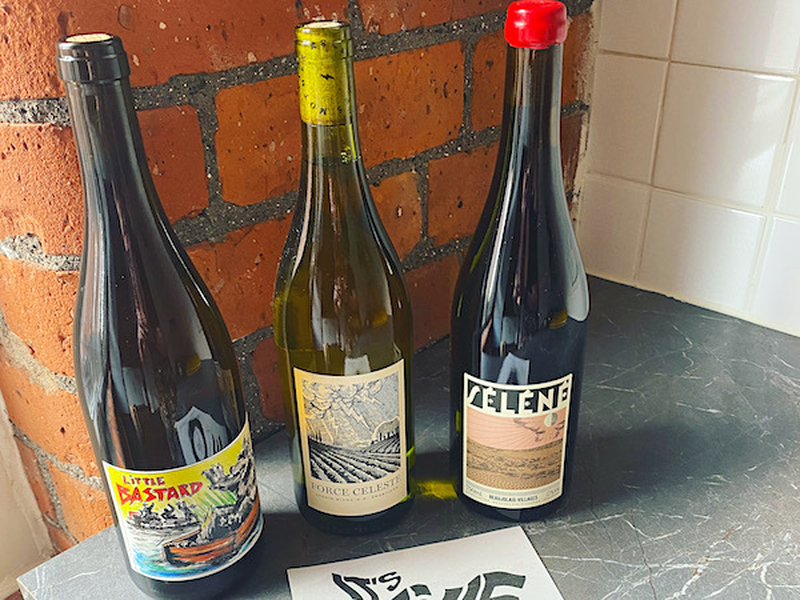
point(514, 441)
point(190, 522)
point(352, 432)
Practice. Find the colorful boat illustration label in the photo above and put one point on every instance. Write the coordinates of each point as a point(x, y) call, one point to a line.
point(352, 432)
point(189, 522)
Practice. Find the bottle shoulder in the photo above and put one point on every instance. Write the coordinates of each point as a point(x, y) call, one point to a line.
point(344, 242)
point(341, 287)
point(523, 260)
point(139, 276)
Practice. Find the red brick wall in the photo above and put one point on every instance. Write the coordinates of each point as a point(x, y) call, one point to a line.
point(216, 92)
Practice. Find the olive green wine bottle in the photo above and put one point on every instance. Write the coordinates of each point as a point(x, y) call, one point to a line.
point(342, 314)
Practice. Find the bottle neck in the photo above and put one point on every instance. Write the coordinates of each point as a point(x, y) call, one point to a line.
point(333, 178)
point(328, 112)
point(110, 149)
point(532, 106)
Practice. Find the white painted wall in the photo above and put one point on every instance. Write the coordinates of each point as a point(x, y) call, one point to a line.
point(25, 543)
point(693, 168)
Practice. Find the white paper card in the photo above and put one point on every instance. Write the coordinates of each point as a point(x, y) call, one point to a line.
point(495, 565)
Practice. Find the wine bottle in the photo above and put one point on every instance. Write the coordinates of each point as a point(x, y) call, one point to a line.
point(342, 315)
point(154, 364)
point(521, 301)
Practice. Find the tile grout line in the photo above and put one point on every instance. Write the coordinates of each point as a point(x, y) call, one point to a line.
point(770, 208)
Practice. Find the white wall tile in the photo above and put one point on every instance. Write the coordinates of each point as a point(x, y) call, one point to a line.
point(789, 199)
point(777, 298)
point(720, 131)
point(699, 252)
point(612, 217)
point(690, 118)
point(642, 27)
point(625, 107)
point(742, 34)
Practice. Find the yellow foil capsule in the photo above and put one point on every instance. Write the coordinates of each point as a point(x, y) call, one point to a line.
point(322, 48)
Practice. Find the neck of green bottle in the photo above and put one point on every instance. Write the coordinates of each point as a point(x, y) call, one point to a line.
point(332, 145)
point(333, 176)
point(110, 150)
point(328, 109)
point(532, 106)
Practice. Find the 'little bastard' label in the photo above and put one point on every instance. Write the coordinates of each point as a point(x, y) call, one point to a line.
point(185, 523)
point(514, 441)
point(153, 489)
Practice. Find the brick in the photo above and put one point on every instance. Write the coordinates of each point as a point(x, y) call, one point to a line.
point(488, 80)
point(174, 151)
point(85, 508)
point(258, 140)
point(53, 420)
point(458, 184)
point(323, 9)
point(409, 102)
point(34, 477)
point(44, 319)
point(265, 367)
point(431, 288)
point(400, 15)
point(571, 132)
point(463, 9)
point(162, 39)
point(384, 17)
point(576, 58)
point(398, 203)
point(61, 540)
point(240, 272)
point(34, 474)
point(40, 186)
point(26, 48)
point(457, 189)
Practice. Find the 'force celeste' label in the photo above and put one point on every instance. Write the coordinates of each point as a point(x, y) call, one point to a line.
point(514, 441)
point(352, 431)
point(185, 523)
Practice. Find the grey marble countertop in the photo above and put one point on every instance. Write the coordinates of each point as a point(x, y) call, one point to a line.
point(686, 482)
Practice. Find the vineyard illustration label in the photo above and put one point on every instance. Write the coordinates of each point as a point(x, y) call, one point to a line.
point(514, 439)
point(352, 431)
point(185, 523)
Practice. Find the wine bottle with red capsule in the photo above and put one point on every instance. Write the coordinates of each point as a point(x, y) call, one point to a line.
point(521, 302)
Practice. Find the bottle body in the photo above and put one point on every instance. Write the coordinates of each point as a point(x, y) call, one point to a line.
point(155, 367)
point(342, 319)
point(519, 314)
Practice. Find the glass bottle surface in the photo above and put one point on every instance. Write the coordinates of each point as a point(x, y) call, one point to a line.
point(155, 368)
point(519, 313)
point(342, 315)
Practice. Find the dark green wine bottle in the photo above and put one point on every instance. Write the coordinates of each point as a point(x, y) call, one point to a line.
point(521, 300)
point(342, 314)
point(154, 364)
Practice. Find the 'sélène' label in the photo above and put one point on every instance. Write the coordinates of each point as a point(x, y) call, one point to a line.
point(514, 441)
point(352, 432)
point(189, 522)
